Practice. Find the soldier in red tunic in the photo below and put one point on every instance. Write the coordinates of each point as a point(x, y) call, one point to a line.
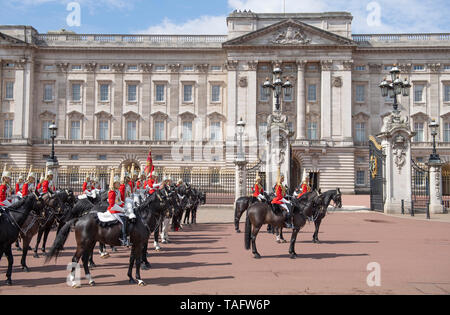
point(30, 186)
point(116, 206)
point(5, 190)
point(304, 188)
point(48, 189)
point(19, 186)
point(258, 191)
point(279, 201)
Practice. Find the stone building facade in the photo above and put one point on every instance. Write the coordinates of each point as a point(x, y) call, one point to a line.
point(114, 96)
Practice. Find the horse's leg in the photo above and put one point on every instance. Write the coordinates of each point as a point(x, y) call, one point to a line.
point(38, 240)
point(255, 231)
point(316, 232)
point(103, 253)
point(237, 218)
point(194, 216)
point(26, 242)
point(293, 240)
point(18, 245)
point(156, 241)
point(281, 235)
point(75, 259)
point(130, 268)
point(138, 251)
point(85, 259)
point(147, 265)
point(44, 242)
point(9, 255)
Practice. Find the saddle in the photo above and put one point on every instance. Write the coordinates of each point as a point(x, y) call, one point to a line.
point(106, 219)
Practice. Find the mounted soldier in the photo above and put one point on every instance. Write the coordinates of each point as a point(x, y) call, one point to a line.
point(30, 186)
point(258, 190)
point(39, 185)
point(280, 202)
point(19, 186)
point(5, 189)
point(116, 206)
point(48, 188)
point(304, 188)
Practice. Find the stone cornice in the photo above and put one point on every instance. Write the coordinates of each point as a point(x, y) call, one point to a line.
point(174, 67)
point(232, 65)
point(146, 67)
point(203, 68)
point(327, 65)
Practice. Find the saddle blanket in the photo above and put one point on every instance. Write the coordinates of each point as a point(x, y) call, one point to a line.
point(106, 217)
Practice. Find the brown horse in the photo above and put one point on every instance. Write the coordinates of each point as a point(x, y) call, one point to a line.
point(260, 213)
point(89, 231)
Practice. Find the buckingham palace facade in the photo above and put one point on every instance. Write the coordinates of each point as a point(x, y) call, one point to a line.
point(114, 96)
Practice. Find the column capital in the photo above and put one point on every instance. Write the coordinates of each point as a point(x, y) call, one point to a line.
point(348, 65)
point(202, 67)
point(301, 64)
point(62, 67)
point(434, 67)
point(327, 65)
point(252, 65)
point(146, 67)
point(232, 65)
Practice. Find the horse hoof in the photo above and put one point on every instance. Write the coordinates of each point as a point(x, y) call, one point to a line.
point(9, 282)
point(114, 250)
point(92, 266)
point(283, 241)
point(132, 281)
point(293, 256)
point(145, 267)
point(35, 255)
point(76, 285)
point(104, 255)
point(157, 248)
point(141, 283)
point(92, 283)
point(25, 268)
point(238, 231)
point(257, 256)
point(279, 241)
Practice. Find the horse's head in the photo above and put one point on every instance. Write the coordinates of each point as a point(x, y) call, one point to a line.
point(337, 198)
point(38, 203)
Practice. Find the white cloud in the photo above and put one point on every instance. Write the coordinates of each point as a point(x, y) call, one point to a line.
point(210, 25)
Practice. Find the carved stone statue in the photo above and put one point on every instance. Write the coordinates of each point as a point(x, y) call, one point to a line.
point(291, 36)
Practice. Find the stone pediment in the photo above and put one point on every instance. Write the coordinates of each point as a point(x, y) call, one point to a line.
point(289, 33)
point(8, 40)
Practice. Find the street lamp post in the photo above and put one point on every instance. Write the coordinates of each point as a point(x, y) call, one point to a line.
point(240, 129)
point(241, 163)
point(53, 128)
point(277, 86)
point(395, 87)
point(434, 157)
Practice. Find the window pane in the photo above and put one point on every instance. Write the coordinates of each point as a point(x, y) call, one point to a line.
point(447, 132)
point(131, 130)
point(8, 129)
point(103, 130)
point(187, 93)
point(360, 178)
point(160, 93)
point(187, 131)
point(215, 93)
point(418, 93)
point(45, 131)
point(9, 90)
point(312, 131)
point(76, 92)
point(418, 128)
point(447, 93)
point(104, 92)
point(159, 131)
point(262, 131)
point(262, 95)
point(360, 93)
point(312, 90)
point(48, 92)
point(216, 132)
point(360, 132)
point(75, 130)
point(132, 97)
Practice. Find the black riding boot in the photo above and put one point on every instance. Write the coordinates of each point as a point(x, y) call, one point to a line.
point(124, 239)
point(288, 221)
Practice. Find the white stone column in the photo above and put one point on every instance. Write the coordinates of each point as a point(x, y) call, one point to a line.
point(230, 129)
point(240, 179)
point(435, 187)
point(252, 92)
point(346, 103)
point(325, 100)
point(301, 101)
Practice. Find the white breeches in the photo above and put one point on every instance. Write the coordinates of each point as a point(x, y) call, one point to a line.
point(116, 207)
point(118, 217)
point(7, 203)
point(165, 229)
point(261, 197)
point(129, 205)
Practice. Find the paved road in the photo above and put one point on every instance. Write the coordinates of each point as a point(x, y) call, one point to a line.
point(210, 258)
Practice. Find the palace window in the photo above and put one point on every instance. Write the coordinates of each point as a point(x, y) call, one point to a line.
point(262, 95)
point(312, 131)
point(188, 68)
point(187, 93)
point(45, 131)
point(76, 67)
point(360, 68)
point(104, 67)
point(76, 92)
point(9, 90)
point(418, 93)
point(360, 178)
point(262, 132)
point(131, 131)
point(8, 129)
point(419, 68)
point(132, 92)
point(360, 132)
point(48, 92)
point(418, 128)
point(215, 93)
point(159, 131)
point(312, 93)
point(216, 68)
point(49, 67)
point(102, 157)
point(187, 131)
point(447, 132)
point(446, 93)
point(160, 68)
point(103, 130)
point(215, 131)
point(75, 130)
point(104, 92)
point(132, 68)
point(360, 93)
point(160, 93)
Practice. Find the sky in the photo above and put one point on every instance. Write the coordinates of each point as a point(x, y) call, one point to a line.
point(209, 16)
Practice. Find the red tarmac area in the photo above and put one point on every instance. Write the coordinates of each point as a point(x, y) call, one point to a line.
point(414, 257)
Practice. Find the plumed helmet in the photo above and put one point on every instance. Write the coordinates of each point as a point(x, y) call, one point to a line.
point(31, 174)
point(6, 174)
point(21, 177)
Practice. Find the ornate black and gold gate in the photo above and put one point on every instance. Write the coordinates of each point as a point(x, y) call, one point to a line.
point(376, 167)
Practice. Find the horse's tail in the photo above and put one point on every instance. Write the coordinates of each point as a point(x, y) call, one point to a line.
point(248, 229)
point(60, 240)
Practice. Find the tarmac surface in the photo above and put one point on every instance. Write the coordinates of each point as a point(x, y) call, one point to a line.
point(209, 258)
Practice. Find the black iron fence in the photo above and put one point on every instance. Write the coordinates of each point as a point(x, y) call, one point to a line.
point(420, 187)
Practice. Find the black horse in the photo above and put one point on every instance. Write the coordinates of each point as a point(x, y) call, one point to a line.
point(331, 195)
point(11, 221)
point(260, 213)
point(89, 230)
